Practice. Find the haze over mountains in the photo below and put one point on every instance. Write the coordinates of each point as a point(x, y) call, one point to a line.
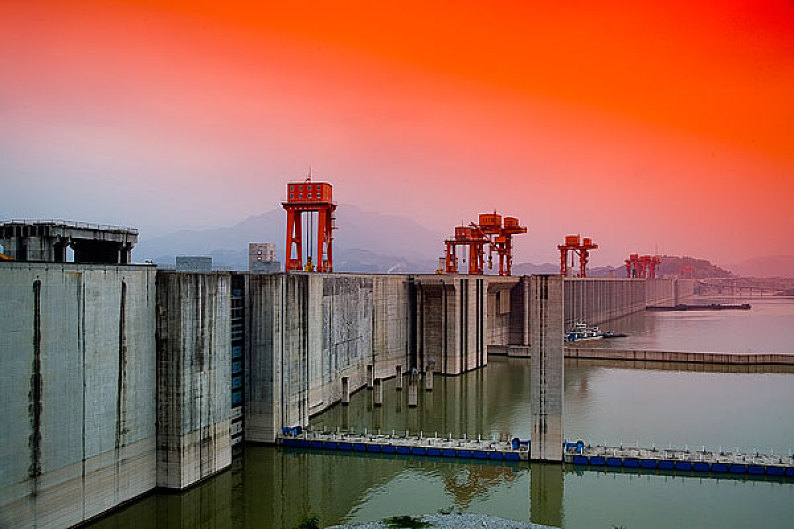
point(375, 243)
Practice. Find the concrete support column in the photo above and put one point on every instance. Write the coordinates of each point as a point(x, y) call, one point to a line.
point(377, 396)
point(370, 376)
point(429, 379)
point(413, 389)
point(345, 390)
point(546, 401)
point(399, 371)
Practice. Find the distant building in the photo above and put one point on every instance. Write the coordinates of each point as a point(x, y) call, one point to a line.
point(193, 263)
point(262, 258)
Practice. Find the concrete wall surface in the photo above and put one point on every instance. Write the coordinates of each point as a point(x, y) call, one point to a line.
point(193, 376)
point(548, 367)
point(308, 332)
point(77, 413)
point(596, 300)
point(452, 322)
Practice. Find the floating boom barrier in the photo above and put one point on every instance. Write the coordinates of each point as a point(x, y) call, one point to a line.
point(575, 453)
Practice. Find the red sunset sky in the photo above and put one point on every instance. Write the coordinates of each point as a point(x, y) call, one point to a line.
point(669, 124)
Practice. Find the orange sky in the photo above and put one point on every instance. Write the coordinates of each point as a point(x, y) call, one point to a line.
point(669, 125)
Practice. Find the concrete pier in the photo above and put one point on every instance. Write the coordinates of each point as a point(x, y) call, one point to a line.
point(193, 377)
point(345, 390)
point(413, 389)
point(399, 376)
point(429, 379)
point(546, 401)
point(377, 392)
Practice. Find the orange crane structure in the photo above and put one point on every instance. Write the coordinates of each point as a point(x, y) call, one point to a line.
point(642, 266)
point(491, 231)
point(309, 197)
point(577, 246)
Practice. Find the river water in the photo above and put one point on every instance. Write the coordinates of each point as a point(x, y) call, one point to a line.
point(605, 402)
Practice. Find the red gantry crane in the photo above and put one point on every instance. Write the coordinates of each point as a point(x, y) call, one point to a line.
point(309, 197)
point(490, 231)
point(642, 266)
point(577, 246)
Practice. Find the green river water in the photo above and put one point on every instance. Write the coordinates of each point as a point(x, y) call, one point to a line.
point(613, 402)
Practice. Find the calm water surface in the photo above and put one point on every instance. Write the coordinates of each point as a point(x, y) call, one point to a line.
point(765, 328)
point(661, 404)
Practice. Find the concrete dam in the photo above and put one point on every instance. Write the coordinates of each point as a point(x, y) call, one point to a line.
point(119, 379)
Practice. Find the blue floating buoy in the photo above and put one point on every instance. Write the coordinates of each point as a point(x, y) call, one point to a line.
point(756, 470)
point(373, 448)
point(631, 462)
point(790, 472)
point(289, 442)
point(579, 460)
point(418, 451)
point(345, 446)
point(512, 456)
point(434, 451)
point(775, 471)
point(720, 468)
point(388, 449)
point(315, 444)
point(683, 465)
point(597, 461)
point(497, 456)
point(649, 463)
point(738, 469)
point(359, 447)
point(479, 454)
point(464, 453)
point(614, 462)
point(666, 465)
point(448, 452)
point(302, 443)
point(330, 445)
point(404, 450)
point(700, 466)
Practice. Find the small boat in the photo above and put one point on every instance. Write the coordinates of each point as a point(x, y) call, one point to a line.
point(580, 331)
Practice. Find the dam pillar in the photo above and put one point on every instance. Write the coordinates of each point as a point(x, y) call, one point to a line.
point(429, 375)
point(345, 390)
point(370, 376)
point(399, 375)
point(546, 401)
point(377, 392)
point(413, 389)
point(193, 377)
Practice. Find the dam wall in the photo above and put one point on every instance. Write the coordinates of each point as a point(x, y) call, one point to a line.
point(316, 338)
point(78, 378)
point(193, 376)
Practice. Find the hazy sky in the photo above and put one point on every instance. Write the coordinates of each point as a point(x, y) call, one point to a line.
point(668, 125)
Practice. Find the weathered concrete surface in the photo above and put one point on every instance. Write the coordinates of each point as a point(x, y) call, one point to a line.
point(193, 376)
point(451, 322)
point(77, 410)
point(548, 367)
point(311, 331)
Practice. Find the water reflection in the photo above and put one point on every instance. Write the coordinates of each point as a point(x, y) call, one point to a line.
point(272, 488)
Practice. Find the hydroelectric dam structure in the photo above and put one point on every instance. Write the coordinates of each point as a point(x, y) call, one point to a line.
point(119, 379)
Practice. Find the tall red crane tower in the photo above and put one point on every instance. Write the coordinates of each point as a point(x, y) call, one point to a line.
point(309, 197)
point(577, 246)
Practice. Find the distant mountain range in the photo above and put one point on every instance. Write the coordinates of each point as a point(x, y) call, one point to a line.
point(370, 247)
point(378, 243)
